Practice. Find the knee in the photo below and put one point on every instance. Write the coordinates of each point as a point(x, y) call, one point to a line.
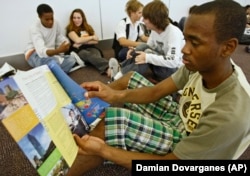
point(130, 73)
point(142, 47)
point(70, 60)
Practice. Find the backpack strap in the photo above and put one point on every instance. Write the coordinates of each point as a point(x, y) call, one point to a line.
point(116, 45)
point(127, 28)
point(138, 31)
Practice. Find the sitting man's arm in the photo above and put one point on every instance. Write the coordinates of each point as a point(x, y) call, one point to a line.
point(90, 145)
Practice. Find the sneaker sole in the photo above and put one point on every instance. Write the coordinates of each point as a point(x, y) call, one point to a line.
point(76, 68)
point(114, 67)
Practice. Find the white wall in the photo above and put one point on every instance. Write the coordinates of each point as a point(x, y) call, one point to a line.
point(180, 8)
point(17, 15)
point(112, 11)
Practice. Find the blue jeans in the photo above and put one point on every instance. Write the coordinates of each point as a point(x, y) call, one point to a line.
point(36, 61)
point(122, 54)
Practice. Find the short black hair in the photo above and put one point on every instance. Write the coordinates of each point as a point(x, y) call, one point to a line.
point(230, 18)
point(44, 8)
point(247, 6)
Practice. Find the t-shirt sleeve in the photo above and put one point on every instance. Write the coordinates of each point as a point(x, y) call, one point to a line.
point(60, 37)
point(38, 41)
point(120, 29)
point(180, 77)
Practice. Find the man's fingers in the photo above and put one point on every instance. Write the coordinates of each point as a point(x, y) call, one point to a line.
point(79, 139)
point(91, 94)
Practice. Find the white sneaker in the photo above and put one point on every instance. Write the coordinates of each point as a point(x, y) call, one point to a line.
point(78, 59)
point(114, 67)
point(75, 68)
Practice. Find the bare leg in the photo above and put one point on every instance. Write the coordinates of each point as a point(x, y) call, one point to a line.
point(84, 163)
point(121, 83)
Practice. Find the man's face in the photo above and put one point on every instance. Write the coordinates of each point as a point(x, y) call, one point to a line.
point(148, 24)
point(201, 51)
point(248, 11)
point(47, 20)
point(136, 16)
point(248, 15)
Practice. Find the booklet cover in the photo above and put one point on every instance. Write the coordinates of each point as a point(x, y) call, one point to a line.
point(92, 108)
point(41, 118)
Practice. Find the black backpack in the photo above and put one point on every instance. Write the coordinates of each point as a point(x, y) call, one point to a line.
point(116, 45)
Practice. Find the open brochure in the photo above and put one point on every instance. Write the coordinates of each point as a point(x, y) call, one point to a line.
point(41, 118)
point(91, 109)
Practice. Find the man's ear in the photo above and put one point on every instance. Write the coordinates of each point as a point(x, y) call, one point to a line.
point(229, 47)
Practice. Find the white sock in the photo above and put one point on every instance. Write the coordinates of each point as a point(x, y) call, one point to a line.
point(118, 75)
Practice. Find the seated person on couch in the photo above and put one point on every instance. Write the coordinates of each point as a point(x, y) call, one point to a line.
point(162, 53)
point(212, 120)
point(47, 43)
